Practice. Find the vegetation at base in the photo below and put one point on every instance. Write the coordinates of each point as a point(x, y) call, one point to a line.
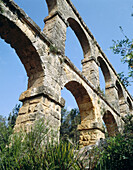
point(36, 150)
point(116, 153)
point(6, 126)
point(69, 122)
point(13, 116)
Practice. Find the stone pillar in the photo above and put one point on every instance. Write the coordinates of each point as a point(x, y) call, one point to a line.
point(90, 133)
point(55, 30)
point(124, 108)
point(111, 94)
point(90, 70)
point(39, 106)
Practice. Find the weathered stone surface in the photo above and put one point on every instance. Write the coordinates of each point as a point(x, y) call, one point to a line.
point(49, 71)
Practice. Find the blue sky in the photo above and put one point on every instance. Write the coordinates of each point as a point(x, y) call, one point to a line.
point(103, 18)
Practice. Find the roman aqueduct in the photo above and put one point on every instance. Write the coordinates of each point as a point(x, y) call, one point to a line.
point(49, 71)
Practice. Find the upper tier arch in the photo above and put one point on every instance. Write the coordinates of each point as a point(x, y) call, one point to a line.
point(105, 69)
point(80, 35)
point(51, 5)
point(14, 36)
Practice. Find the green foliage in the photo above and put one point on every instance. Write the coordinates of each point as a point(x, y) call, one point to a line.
point(128, 127)
point(101, 91)
point(5, 132)
point(124, 47)
point(6, 126)
point(69, 121)
point(53, 49)
point(1, 9)
point(24, 150)
point(117, 152)
point(13, 115)
point(36, 151)
point(61, 156)
point(124, 80)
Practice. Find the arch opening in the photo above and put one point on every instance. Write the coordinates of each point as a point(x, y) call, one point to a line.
point(73, 49)
point(75, 26)
point(110, 123)
point(25, 50)
point(101, 82)
point(70, 117)
point(83, 100)
point(105, 70)
point(86, 110)
point(14, 79)
point(22, 45)
point(104, 75)
point(121, 99)
point(120, 91)
point(120, 96)
point(129, 104)
point(51, 5)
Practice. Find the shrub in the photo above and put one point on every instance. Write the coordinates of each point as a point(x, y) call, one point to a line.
point(5, 132)
point(117, 152)
point(1, 9)
point(36, 150)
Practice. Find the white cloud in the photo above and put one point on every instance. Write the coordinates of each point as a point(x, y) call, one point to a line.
point(69, 108)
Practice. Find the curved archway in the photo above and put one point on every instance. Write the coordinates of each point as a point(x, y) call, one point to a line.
point(120, 96)
point(83, 100)
point(80, 35)
point(73, 49)
point(104, 77)
point(22, 45)
point(13, 78)
point(110, 123)
point(129, 104)
point(102, 84)
point(70, 117)
point(120, 91)
point(87, 113)
point(104, 69)
point(51, 5)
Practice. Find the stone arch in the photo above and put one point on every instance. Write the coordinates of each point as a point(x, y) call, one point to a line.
point(83, 100)
point(105, 70)
point(120, 91)
point(73, 49)
point(51, 5)
point(129, 104)
point(75, 26)
point(121, 99)
point(110, 123)
point(24, 48)
point(87, 113)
